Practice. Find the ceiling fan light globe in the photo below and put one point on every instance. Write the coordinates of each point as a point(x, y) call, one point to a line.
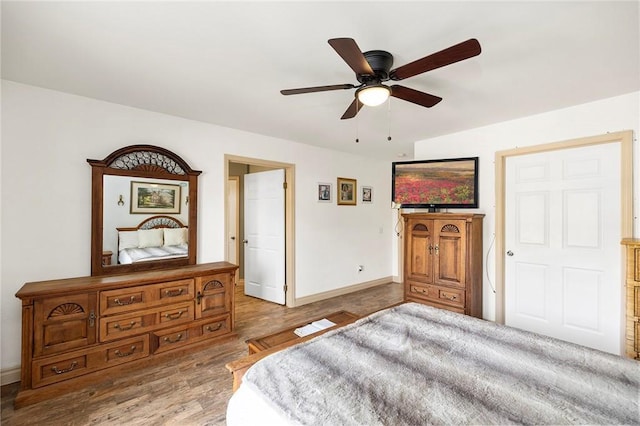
point(373, 95)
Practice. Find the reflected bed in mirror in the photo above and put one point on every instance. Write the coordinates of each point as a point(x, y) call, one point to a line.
point(144, 211)
point(155, 238)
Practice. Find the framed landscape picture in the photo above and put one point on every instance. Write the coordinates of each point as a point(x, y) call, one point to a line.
point(155, 198)
point(347, 191)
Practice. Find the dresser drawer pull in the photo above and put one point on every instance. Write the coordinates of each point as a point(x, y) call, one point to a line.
point(118, 302)
point(122, 354)
point(449, 296)
point(211, 329)
point(420, 290)
point(173, 293)
point(174, 315)
point(124, 328)
point(178, 338)
point(73, 365)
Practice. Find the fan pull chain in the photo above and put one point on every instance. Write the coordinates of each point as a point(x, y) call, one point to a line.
point(357, 127)
point(389, 118)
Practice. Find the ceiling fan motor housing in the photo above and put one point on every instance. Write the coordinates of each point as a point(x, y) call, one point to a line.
point(380, 62)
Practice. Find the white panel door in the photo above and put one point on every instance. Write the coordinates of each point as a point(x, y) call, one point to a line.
point(264, 225)
point(562, 236)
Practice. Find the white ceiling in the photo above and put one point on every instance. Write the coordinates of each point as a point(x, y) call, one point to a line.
point(225, 62)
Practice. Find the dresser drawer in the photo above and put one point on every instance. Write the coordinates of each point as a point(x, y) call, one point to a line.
point(124, 325)
point(215, 327)
point(54, 369)
point(58, 368)
point(438, 294)
point(146, 296)
point(173, 338)
point(124, 351)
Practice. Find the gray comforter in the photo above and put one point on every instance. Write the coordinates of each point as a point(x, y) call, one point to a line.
point(413, 365)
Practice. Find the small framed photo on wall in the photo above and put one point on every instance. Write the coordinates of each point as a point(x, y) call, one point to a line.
point(324, 192)
point(347, 191)
point(367, 194)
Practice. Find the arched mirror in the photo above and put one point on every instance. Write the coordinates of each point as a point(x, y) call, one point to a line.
point(144, 211)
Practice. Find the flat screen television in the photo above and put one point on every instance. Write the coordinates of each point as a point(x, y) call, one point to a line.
point(435, 184)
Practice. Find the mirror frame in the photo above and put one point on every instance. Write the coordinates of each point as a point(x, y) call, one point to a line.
point(146, 161)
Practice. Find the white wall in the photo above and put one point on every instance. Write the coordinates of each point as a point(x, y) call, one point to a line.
point(595, 118)
point(46, 187)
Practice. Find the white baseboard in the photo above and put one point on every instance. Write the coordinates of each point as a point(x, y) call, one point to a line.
point(9, 375)
point(340, 291)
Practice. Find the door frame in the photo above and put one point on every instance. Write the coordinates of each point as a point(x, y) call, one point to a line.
point(289, 228)
point(236, 231)
point(624, 138)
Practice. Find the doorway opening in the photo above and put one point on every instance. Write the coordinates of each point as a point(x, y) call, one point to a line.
point(236, 168)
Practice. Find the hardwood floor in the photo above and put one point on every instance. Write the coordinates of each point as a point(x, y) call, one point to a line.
point(189, 390)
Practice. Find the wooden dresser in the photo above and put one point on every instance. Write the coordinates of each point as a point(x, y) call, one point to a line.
point(443, 261)
point(632, 346)
point(76, 331)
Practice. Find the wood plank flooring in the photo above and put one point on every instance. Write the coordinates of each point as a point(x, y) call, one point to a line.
point(189, 390)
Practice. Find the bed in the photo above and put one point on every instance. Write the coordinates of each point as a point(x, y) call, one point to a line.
point(413, 364)
point(155, 238)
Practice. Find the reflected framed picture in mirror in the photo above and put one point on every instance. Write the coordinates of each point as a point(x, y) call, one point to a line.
point(154, 198)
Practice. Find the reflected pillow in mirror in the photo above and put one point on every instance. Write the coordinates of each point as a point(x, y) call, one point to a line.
point(127, 239)
point(150, 238)
point(175, 236)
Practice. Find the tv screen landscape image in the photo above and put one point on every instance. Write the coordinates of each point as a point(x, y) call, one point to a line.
point(433, 184)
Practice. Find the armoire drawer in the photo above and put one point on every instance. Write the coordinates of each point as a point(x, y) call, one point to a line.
point(438, 294)
point(124, 325)
point(429, 302)
point(145, 296)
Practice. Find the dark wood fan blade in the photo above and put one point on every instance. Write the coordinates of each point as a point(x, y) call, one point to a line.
point(348, 49)
point(465, 50)
point(414, 96)
point(353, 109)
point(316, 89)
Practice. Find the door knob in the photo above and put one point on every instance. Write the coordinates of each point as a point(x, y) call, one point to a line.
point(233, 238)
point(509, 253)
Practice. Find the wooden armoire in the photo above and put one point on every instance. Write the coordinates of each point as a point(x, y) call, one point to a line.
point(443, 261)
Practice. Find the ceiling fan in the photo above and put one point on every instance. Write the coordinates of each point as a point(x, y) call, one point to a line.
point(372, 68)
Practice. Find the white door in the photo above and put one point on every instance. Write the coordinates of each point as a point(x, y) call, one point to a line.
point(562, 241)
point(264, 224)
point(233, 189)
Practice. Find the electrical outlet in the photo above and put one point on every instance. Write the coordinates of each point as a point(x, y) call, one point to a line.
point(360, 268)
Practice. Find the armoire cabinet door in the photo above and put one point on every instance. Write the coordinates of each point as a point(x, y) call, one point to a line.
point(449, 252)
point(419, 251)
